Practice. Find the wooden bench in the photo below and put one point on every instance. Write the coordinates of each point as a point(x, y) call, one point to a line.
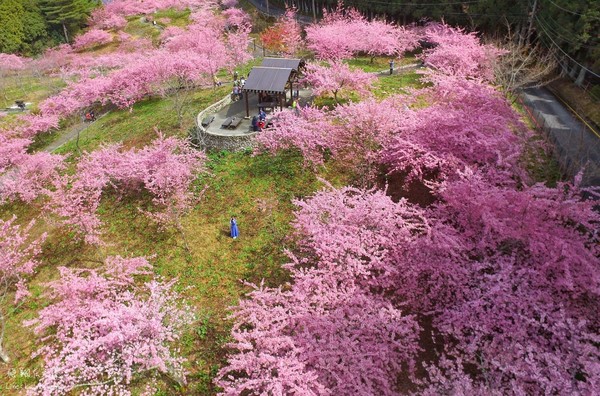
point(231, 122)
point(227, 122)
point(235, 122)
point(208, 120)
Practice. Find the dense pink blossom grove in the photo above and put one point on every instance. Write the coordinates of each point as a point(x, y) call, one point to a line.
point(467, 124)
point(331, 332)
point(337, 79)
point(345, 32)
point(518, 290)
point(458, 53)
point(166, 169)
point(507, 279)
point(92, 38)
point(103, 330)
point(137, 69)
point(25, 176)
point(18, 251)
point(12, 62)
point(125, 8)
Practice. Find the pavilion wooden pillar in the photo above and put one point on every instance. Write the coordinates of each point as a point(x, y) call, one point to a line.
point(281, 98)
point(246, 100)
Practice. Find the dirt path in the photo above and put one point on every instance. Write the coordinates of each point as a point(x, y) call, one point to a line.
point(70, 134)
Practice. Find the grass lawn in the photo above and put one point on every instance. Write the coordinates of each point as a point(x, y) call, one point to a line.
point(257, 190)
point(136, 128)
point(28, 88)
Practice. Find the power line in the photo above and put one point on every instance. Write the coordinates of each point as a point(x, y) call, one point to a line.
point(570, 40)
point(561, 50)
point(564, 9)
point(418, 4)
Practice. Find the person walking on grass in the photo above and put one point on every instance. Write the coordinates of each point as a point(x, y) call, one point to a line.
point(234, 228)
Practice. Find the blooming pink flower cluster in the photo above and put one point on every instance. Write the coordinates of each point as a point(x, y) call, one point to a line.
point(105, 329)
point(332, 331)
point(458, 53)
point(345, 32)
point(165, 169)
point(498, 280)
point(92, 38)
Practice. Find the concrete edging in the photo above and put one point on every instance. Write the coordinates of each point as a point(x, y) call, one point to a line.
point(209, 140)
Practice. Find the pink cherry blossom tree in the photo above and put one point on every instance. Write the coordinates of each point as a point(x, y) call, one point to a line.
point(104, 329)
point(344, 32)
point(25, 176)
point(511, 278)
point(92, 38)
point(307, 131)
point(333, 38)
point(337, 79)
point(458, 53)
point(166, 169)
point(331, 331)
point(18, 251)
point(466, 124)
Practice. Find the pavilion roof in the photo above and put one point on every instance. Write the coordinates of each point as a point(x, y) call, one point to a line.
point(267, 79)
point(293, 64)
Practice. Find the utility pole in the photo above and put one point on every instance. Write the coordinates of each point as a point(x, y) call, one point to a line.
point(268, 13)
point(531, 18)
point(314, 11)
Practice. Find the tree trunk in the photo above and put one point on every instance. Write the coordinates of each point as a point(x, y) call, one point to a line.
point(66, 34)
point(3, 354)
point(573, 72)
point(581, 77)
point(531, 19)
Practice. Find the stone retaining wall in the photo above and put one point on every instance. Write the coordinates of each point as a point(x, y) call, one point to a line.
point(210, 141)
point(214, 141)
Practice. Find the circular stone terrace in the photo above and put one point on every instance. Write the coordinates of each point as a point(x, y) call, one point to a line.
point(227, 124)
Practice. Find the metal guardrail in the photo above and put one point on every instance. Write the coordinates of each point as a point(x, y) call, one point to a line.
point(575, 113)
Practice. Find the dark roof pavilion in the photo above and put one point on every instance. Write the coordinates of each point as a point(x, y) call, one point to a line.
point(268, 79)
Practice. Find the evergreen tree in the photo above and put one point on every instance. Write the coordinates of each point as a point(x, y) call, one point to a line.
point(12, 31)
point(69, 14)
point(34, 27)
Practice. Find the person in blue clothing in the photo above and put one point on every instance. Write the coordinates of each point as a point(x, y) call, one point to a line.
point(234, 228)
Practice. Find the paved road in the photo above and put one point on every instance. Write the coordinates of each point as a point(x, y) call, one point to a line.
point(576, 145)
